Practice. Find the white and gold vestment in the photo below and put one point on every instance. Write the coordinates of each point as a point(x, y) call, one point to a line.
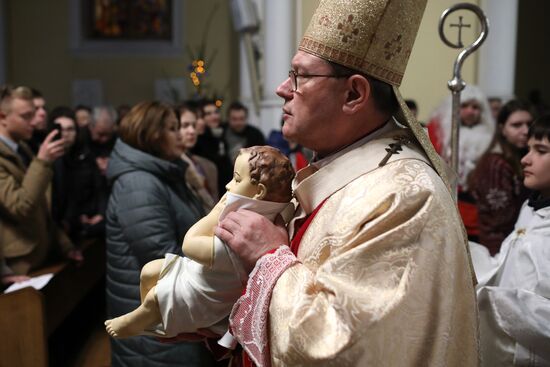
point(382, 275)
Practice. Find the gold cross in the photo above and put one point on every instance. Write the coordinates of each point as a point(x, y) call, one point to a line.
point(394, 148)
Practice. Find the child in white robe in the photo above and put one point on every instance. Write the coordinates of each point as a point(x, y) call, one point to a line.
point(514, 285)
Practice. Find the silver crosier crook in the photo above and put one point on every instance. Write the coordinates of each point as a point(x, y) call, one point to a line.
point(456, 85)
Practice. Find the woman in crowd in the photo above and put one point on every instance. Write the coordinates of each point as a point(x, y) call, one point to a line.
point(497, 180)
point(202, 174)
point(477, 129)
point(63, 200)
point(150, 210)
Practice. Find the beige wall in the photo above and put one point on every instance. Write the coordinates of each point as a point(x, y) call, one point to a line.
point(39, 55)
point(308, 8)
point(431, 62)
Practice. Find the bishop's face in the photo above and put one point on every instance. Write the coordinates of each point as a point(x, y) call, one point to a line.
point(311, 112)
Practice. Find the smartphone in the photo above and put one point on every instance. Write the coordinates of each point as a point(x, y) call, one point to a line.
point(57, 126)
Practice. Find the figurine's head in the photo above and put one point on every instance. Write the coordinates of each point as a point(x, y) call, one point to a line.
point(262, 173)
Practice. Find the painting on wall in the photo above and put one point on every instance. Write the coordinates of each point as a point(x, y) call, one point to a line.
point(151, 27)
point(128, 19)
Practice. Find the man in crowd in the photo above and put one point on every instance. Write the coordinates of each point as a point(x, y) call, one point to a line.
point(83, 115)
point(238, 133)
point(27, 232)
point(211, 144)
point(377, 271)
point(98, 139)
point(39, 122)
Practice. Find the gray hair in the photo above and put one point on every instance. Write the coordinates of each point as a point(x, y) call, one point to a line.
point(99, 112)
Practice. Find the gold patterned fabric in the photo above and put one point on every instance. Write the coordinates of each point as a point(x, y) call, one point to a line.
point(374, 37)
point(384, 276)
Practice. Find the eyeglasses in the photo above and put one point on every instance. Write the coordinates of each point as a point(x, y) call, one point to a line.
point(294, 77)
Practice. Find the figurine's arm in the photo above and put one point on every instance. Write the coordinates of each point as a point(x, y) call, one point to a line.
point(198, 244)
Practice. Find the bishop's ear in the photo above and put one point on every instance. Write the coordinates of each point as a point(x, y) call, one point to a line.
point(261, 192)
point(357, 93)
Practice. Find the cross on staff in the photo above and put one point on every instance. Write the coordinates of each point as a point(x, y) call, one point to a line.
point(456, 85)
point(460, 25)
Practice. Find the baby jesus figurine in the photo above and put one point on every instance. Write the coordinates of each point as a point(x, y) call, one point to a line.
point(183, 294)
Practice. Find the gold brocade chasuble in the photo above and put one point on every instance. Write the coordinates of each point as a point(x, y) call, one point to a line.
point(384, 278)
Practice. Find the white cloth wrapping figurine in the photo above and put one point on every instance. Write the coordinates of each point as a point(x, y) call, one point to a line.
point(193, 296)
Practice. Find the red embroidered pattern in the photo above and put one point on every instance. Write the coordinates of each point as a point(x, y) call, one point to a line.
point(249, 318)
point(348, 29)
point(393, 47)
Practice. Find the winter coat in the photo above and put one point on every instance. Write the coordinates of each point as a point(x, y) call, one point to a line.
point(27, 230)
point(150, 209)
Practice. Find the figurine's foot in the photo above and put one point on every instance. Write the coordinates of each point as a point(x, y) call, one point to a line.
point(122, 327)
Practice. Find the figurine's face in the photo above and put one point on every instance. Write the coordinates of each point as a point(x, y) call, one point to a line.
point(241, 184)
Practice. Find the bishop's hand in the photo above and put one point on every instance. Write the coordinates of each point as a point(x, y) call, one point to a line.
point(251, 235)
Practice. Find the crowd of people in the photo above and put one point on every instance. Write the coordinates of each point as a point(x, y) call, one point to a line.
point(371, 269)
point(137, 178)
point(150, 174)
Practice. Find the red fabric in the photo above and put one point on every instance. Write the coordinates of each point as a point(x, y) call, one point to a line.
point(468, 212)
point(294, 246)
point(434, 132)
point(247, 362)
point(499, 195)
point(249, 317)
point(295, 243)
point(301, 161)
point(245, 359)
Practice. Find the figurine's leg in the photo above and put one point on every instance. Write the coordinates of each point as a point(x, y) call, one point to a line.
point(133, 323)
point(149, 276)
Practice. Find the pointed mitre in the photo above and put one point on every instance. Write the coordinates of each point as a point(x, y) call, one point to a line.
point(374, 37)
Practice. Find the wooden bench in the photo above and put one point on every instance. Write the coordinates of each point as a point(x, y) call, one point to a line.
point(29, 317)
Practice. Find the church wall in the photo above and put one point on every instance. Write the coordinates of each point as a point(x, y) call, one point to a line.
point(39, 54)
point(533, 51)
point(431, 63)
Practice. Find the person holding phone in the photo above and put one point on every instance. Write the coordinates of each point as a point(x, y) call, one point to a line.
point(28, 234)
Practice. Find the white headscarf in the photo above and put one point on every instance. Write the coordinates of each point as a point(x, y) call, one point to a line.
point(473, 141)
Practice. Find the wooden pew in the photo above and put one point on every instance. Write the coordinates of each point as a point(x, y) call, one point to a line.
point(28, 317)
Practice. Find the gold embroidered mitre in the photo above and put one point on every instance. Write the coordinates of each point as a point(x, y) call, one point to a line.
point(374, 37)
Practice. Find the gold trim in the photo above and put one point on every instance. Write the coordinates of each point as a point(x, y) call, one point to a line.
point(350, 60)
